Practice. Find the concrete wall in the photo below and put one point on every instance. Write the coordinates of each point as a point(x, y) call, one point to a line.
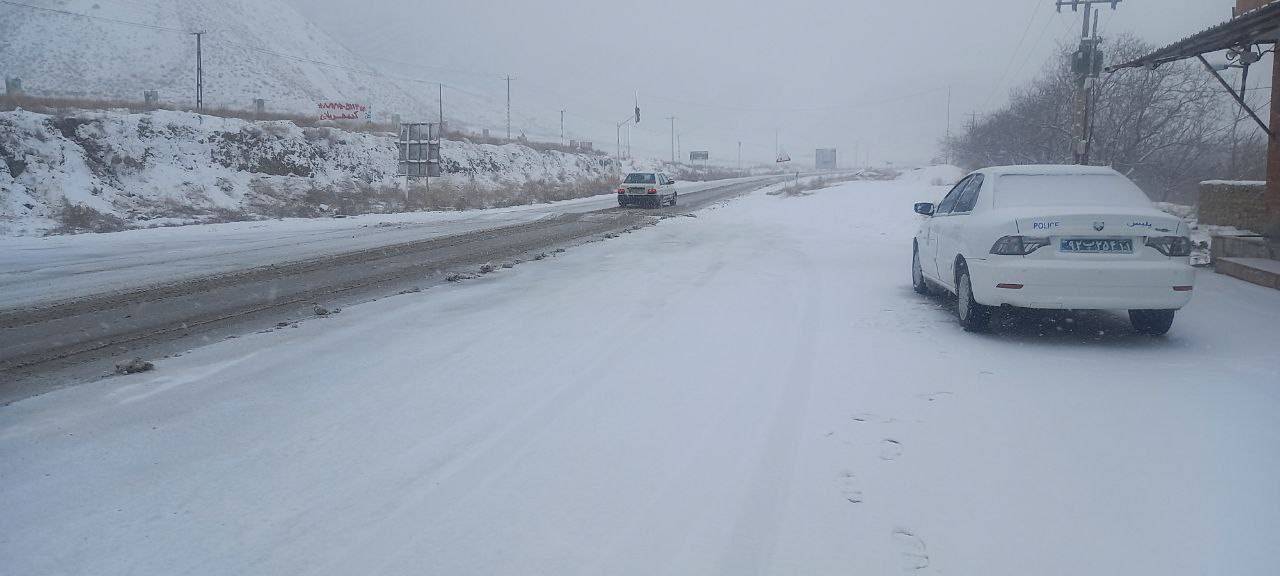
point(1239, 204)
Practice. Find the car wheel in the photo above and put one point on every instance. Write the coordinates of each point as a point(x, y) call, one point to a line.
point(674, 197)
point(917, 274)
point(974, 317)
point(657, 201)
point(1152, 322)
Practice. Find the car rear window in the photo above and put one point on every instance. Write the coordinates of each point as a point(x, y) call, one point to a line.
point(1015, 190)
point(639, 178)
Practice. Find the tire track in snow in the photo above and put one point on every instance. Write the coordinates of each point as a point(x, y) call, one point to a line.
point(753, 543)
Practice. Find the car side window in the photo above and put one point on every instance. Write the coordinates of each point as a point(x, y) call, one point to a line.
point(952, 197)
point(969, 197)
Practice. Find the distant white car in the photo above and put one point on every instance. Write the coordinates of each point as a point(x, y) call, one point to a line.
point(652, 189)
point(1054, 237)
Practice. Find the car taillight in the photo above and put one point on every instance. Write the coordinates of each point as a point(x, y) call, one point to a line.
point(1171, 245)
point(1018, 245)
point(653, 190)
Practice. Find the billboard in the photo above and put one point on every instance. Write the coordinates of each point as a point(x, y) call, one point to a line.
point(825, 158)
point(419, 149)
point(696, 155)
point(344, 111)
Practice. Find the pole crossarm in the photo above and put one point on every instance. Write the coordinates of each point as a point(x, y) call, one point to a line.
point(1076, 4)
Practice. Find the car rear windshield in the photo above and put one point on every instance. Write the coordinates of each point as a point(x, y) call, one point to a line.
point(639, 178)
point(1015, 190)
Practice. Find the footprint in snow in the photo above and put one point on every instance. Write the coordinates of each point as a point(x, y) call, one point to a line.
point(915, 555)
point(890, 449)
point(935, 396)
point(848, 488)
point(869, 417)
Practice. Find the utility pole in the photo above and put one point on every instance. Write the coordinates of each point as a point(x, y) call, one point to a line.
point(440, 98)
point(199, 70)
point(1086, 63)
point(508, 107)
point(948, 137)
point(673, 138)
point(562, 126)
point(739, 156)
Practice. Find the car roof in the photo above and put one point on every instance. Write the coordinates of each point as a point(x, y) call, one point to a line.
point(1048, 170)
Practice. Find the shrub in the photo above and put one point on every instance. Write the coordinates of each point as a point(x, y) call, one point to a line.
point(76, 218)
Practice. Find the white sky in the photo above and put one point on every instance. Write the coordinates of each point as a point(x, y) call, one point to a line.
point(840, 73)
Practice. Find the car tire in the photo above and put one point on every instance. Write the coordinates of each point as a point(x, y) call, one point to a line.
point(657, 202)
point(974, 317)
point(1152, 322)
point(918, 282)
point(674, 197)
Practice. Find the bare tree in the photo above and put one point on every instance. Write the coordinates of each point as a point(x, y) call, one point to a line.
point(1167, 128)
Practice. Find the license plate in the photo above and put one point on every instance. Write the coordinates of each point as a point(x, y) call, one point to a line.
point(1096, 246)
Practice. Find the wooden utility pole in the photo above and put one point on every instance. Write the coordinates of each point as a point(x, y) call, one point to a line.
point(673, 140)
point(199, 70)
point(1087, 65)
point(508, 107)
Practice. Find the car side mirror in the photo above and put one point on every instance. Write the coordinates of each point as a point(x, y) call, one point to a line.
point(671, 181)
point(925, 208)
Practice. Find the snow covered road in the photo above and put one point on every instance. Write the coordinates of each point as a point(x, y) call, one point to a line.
point(753, 391)
point(39, 270)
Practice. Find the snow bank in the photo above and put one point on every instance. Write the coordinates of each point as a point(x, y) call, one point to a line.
point(940, 175)
point(106, 171)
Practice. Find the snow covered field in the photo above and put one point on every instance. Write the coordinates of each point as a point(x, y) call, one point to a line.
point(753, 391)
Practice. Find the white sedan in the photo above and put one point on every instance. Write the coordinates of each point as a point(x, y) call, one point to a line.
point(1054, 237)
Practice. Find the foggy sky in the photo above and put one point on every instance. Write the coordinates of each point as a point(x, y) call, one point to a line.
point(827, 73)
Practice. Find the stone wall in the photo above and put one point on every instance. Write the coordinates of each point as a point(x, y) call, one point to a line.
point(1239, 204)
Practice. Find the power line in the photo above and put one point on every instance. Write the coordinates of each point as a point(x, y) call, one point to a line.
point(92, 17)
point(1014, 54)
point(854, 105)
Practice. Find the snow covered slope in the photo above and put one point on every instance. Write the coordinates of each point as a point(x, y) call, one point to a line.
point(253, 49)
point(164, 168)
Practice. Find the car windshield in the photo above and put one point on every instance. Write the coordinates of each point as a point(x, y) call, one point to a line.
point(1016, 190)
point(641, 178)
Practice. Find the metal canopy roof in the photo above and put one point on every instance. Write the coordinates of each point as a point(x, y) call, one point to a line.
point(1258, 26)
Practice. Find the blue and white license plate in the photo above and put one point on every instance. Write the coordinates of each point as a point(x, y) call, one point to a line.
point(1096, 246)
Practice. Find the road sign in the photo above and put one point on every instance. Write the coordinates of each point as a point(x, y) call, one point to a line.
point(696, 155)
point(419, 151)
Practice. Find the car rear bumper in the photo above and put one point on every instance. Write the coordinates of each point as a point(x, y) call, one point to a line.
point(1083, 285)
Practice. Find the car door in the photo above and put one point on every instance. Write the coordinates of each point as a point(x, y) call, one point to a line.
point(952, 229)
point(929, 252)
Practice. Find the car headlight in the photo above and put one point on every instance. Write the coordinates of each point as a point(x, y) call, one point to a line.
point(1018, 245)
point(1171, 245)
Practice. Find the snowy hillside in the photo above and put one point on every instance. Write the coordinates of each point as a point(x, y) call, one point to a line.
point(107, 171)
point(252, 49)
